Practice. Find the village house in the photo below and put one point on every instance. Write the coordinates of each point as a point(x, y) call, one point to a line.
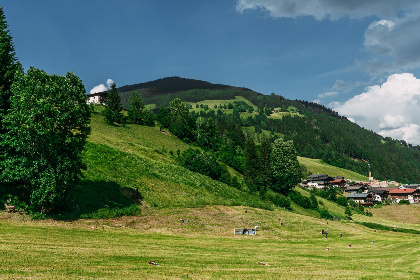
point(338, 182)
point(96, 98)
point(416, 196)
point(402, 194)
point(411, 186)
point(319, 181)
point(363, 198)
point(360, 188)
point(379, 195)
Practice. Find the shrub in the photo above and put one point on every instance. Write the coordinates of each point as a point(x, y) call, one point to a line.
point(342, 200)
point(200, 162)
point(300, 200)
point(325, 214)
point(404, 202)
point(279, 200)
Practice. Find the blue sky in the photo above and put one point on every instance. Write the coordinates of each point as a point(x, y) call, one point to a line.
point(359, 57)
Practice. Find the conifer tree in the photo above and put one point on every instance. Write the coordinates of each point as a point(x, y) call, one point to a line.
point(113, 107)
point(8, 67)
point(252, 166)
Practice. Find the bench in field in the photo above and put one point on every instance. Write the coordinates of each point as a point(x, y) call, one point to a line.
point(10, 208)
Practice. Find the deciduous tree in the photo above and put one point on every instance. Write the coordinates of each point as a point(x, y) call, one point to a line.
point(47, 126)
point(285, 169)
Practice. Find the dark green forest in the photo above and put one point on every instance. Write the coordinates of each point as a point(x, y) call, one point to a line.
point(318, 132)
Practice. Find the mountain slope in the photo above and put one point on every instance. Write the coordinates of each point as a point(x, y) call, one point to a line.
point(318, 132)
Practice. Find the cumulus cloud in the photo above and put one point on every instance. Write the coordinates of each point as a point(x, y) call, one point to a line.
point(102, 87)
point(391, 109)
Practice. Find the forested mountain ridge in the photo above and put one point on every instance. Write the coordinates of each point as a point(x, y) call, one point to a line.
point(318, 132)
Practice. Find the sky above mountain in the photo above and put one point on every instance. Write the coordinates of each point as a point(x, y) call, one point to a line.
point(358, 57)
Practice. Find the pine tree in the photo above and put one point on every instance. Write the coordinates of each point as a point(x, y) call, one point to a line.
point(8, 67)
point(251, 170)
point(113, 107)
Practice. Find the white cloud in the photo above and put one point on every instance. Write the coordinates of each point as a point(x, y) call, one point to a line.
point(331, 9)
point(393, 44)
point(102, 87)
point(317, 101)
point(391, 109)
point(410, 133)
point(109, 83)
point(331, 93)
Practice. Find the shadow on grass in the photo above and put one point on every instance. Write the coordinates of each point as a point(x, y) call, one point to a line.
point(101, 199)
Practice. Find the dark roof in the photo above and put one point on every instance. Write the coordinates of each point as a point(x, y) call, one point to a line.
point(319, 177)
point(379, 191)
point(358, 195)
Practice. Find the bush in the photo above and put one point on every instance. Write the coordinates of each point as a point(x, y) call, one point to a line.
point(325, 214)
point(279, 200)
point(200, 162)
point(404, 202)
point(313, 202)
point(300, 200)
point(342, 200)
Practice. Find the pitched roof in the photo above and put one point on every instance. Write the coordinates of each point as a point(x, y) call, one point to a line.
point(379, 191)
point(402, 191)
point(319, 177)
point(358, 195)
point(337, 181)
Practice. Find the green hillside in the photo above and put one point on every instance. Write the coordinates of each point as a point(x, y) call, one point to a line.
point(137, 165)
point(317, 132)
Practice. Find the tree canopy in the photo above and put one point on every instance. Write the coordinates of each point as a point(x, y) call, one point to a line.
point(285, 167)
point(47, 126)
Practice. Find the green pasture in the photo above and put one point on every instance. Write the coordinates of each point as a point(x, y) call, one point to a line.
point(204, 248)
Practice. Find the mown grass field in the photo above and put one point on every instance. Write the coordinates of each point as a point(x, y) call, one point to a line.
point(122, 160)
point(204, 248)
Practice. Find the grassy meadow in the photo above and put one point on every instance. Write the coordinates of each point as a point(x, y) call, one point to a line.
point(133, 177)
point(204, 248)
